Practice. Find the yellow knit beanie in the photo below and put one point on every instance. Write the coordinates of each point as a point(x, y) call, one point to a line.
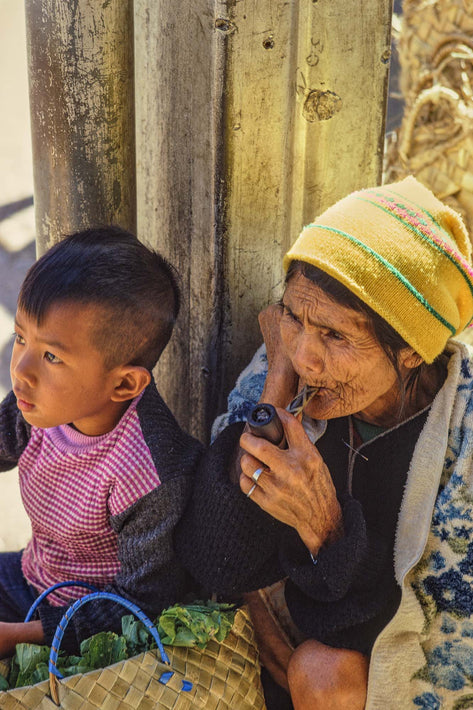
point(404, 253)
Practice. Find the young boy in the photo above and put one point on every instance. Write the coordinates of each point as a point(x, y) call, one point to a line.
point(105, 471)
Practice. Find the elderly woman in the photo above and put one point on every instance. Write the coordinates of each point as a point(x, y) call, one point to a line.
point(365, 520)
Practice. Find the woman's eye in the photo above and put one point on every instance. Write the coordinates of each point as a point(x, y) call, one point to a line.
point(50, 357)
point(333, 335)
point(289, 314)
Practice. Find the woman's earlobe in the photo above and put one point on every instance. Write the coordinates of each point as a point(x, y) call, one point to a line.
point(413, 359)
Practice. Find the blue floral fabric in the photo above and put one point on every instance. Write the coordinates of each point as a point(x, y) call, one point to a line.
point(245, 394)
point(445, 585)
point(445, 582)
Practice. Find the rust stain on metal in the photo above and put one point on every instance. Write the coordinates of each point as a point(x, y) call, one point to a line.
point(321, 105)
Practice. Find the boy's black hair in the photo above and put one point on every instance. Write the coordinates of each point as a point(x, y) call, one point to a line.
point(135, 289)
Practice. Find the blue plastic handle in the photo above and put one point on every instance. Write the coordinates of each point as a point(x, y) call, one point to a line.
point(88, 598)
point(48, 591)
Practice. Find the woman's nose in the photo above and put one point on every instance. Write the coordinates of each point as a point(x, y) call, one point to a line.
point(309, 356)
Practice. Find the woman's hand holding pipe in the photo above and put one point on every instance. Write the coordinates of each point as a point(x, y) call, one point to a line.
point(281, 382)
point(295, 486)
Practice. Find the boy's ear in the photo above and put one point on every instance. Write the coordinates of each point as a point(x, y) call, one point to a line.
point(132, 381)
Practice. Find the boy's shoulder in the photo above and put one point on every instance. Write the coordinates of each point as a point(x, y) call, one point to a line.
point(174, 451)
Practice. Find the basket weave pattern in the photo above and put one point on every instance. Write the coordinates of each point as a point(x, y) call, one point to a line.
point(226, 676)
point(435, 140)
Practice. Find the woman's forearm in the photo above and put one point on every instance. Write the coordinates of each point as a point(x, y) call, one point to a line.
point(281, 381)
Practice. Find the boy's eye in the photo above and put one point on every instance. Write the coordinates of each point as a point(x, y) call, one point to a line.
point(19, 339)
point(50, 357)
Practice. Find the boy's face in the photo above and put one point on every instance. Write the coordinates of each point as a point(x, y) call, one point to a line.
point(57, 374)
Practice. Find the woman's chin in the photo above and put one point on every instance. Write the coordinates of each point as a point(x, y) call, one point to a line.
point(324, 405)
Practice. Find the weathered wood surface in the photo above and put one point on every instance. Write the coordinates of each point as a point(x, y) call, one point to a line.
point(80, 56)
point(253, 116)
point(178, 94)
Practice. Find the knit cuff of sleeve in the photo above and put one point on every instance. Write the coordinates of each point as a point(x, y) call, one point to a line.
point(338, 565)
point(50, 617)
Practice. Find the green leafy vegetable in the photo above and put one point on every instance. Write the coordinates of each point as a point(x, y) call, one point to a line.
point(31, 659)
point(195, 624)
point(138, 639)
point(180, 625)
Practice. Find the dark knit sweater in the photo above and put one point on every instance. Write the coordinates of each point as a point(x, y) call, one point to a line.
point(231, 546)
point(149, 573)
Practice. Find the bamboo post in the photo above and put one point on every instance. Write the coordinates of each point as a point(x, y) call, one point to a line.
point(80, 57)
point(252, 117)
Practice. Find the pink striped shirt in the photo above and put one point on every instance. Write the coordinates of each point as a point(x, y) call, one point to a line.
point(70, 485)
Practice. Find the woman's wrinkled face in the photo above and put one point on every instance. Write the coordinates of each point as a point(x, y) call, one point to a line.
point(334, 348)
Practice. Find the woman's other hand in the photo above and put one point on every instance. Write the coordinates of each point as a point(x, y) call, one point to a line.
point(281, 381)
point(295, 486)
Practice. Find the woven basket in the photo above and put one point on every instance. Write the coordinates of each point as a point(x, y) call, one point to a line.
point(223, 676)
point(435, 140)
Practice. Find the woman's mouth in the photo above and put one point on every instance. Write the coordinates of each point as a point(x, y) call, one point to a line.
point(301, 400)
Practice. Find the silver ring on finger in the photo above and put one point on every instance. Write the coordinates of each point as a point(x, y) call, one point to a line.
point(257, 474)
point(248, 495)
